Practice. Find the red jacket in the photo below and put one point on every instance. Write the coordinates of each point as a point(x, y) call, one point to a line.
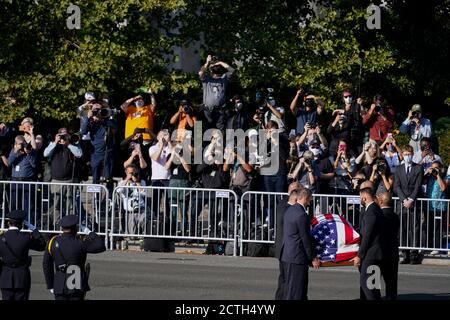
point(379, 126)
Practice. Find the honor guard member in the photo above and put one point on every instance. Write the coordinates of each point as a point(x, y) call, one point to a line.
point(65, 259)
point(15, 279)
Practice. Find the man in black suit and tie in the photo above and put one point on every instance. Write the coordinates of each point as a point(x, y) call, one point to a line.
point(389, 267)
point(282, 206)
point(407, 183)
point(15, 280)
point(370, 255)
point(297, 248)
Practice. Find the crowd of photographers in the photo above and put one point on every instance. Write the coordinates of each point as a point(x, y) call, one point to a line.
point(329, 153)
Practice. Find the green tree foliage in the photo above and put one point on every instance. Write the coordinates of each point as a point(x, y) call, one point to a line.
point(47, 67)
point(323, 44)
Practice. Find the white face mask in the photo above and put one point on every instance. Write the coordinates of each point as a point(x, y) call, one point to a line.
point(348, 100)
point(139, 103)
point(408, 159)
point(315, 151)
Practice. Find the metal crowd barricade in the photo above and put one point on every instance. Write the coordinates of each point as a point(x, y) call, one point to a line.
point(424, 227)
point(47, 202)
point(174, 213)
point(258, 217)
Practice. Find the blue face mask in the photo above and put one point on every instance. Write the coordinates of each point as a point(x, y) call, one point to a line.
point(408, 159)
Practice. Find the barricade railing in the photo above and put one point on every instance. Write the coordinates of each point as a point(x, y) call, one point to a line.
point(423, 227)
point(174, 213)
point(47, 202)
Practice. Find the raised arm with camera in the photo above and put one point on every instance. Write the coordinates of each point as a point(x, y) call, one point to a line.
point(303, 165)
point(175, 154)
point(139, 101)
point(64, 139)
point(274, 110)
point(303, 137)
point(230, 154)
point(298, 94)
point(435, 170)
point(137, 152)
point(379, 169)
point(185, 111)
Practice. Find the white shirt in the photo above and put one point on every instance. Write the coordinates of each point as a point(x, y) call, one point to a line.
point(367, 207)
point(158, 170)
point(269, 116)
point(304, 208)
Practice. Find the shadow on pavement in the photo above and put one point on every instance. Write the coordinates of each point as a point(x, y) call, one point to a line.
point(424, 296)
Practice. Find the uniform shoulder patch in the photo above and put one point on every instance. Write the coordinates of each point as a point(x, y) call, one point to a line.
point(49, 247)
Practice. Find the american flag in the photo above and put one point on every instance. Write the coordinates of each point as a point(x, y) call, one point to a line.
point(334, 238)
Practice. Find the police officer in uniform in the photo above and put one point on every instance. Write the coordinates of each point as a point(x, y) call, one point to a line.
point(15, 279)
point(65, 259)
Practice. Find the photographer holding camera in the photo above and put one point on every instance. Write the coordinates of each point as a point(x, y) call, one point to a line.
point(101, 127)
point(133, 199)
point(23, 162)
point(380, 119)
point(235, 117)
point(61, 154)
point(425, 156)
point(136, 158)
point(184, 119)
point(215, 86)
point(308, 111)
point(27, 127)
point(416, 126)
point(339, 129)
point(344, 167)
point(140, 112)
point(311, 133)
point(391, 152)
point(267, 110)
point(353, 111)
point(306, 172)
point(380, 175)
point(435, 188)
point(178, 164)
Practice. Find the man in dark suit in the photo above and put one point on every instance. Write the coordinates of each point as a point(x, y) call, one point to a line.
point(282, 206)
point(15, 279)
point(389, 268)
point(407, 183)
point(67, 254)
point(370, 255)
point(297, 248)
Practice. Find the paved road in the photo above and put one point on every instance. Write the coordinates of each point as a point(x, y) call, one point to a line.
point(140, 275)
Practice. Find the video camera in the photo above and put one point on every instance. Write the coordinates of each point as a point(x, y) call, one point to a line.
point(310, 103)
point(104, 113)
point(435, 172)
point(186, 107)
point(381, 166)
point(263, 97)
point(25, 146)
point(71, 138)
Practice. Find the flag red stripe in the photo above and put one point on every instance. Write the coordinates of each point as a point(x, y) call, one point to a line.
point(345, 256)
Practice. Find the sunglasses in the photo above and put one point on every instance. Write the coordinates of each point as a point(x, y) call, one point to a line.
point(347, 96)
